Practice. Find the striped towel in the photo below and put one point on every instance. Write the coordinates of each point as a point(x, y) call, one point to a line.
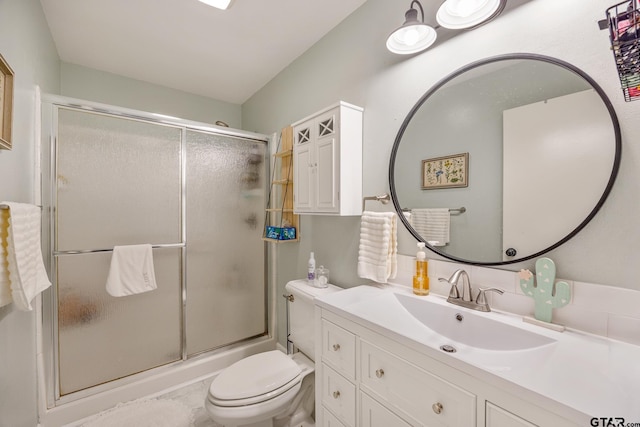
point(378, 250)
point(432, 224)
point(5, 283)
point(23, 254)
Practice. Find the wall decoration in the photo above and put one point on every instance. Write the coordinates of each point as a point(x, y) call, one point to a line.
point(6, 103)
point(543, 288)
point(445, 172)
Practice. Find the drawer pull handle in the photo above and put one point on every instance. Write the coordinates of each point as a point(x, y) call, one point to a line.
point(336, 347)
point(336, 394)
point(437, 407)
point(379, 373)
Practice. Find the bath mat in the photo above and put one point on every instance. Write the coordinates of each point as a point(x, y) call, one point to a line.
point(144, 413)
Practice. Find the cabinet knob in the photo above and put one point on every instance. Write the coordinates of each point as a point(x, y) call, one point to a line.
point(336, 394)
point(437, 407)
point(336, 347)
point(379, 373)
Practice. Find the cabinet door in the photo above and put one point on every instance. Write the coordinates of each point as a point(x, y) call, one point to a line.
point(326, 174)
point(325, 163)
point(498, 417)
point(303, 175)
point(374, 414)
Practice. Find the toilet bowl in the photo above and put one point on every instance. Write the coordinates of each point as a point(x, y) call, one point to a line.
point(272, 389)
point(261, 387)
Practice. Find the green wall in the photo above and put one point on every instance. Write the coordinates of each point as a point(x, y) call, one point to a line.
point(352, 64)
point(99, 86)
point(26, 44)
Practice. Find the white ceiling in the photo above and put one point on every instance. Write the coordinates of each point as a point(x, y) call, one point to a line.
point(187, 45)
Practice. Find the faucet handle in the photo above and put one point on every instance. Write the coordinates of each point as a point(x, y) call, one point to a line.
point(453, 292)
point(481, 299)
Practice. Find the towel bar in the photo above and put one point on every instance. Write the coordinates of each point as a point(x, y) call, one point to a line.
point(93, 251)
point(2, 206)
point(383, 198)
point(452, 210)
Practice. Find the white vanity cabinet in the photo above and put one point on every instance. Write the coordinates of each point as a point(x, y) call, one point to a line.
point(366, 379)
point(327, 162)
point(498, 417)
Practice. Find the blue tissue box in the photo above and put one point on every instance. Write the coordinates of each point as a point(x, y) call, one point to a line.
point(280, 233)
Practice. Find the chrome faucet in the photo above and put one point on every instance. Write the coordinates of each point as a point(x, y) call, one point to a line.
point(466, 300)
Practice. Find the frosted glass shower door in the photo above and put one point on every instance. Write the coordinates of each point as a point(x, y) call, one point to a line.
point(226, 286)
point(118, 183)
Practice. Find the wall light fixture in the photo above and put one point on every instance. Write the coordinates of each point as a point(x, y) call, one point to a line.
point(413, 36)
point(460, 14)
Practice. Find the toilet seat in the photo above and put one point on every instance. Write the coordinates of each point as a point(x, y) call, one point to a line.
point(255, 379)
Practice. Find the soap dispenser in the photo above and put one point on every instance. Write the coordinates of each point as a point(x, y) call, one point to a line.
point(421, 276)
point(311, 270)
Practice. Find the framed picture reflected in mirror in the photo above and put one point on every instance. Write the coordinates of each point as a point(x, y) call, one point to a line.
point(6, 103)
point(445, 172)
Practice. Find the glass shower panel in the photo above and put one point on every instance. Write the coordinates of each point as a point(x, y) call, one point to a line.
point(102, 338)
point(226, 288)
point(118, 183)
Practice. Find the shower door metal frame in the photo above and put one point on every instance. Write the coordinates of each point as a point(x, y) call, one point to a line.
point(51, 105)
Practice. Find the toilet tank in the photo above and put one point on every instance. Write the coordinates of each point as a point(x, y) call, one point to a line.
point(301, 314)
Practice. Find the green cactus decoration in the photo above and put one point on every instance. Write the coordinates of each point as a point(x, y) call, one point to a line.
point(543, 293)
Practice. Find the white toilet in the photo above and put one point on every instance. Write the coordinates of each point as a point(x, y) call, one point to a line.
point(272, 389)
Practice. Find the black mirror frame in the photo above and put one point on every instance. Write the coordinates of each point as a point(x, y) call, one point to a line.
point(462, 70)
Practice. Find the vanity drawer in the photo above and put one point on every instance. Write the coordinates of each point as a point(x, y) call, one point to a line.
point(373, 414)
point(498, 417)
point(339, 348)
point(330, 420)
point(422, 396)
point(339, 396)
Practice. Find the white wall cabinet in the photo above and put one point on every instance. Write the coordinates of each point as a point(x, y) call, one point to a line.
point(327, 162)
point(365, 379)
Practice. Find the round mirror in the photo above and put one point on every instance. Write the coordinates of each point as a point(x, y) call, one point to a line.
point(505, 159)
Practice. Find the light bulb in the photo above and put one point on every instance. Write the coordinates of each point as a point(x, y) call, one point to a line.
point(410, 36)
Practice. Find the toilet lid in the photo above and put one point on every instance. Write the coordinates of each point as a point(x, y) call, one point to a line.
point(254, 375)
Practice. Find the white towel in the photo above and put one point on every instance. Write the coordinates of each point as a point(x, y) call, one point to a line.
point(377, 255)
point(5, 283)
point(131, 271)
point(432, 224)
point(22, 255)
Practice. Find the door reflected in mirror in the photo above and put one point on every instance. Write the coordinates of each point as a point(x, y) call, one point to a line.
point(543, 146)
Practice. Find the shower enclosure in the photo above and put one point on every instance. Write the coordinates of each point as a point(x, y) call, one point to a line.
point(195, 193)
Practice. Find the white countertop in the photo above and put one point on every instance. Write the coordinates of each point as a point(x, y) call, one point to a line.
point(592, 375)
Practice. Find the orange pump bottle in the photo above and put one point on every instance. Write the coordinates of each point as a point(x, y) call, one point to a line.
point(421, 276)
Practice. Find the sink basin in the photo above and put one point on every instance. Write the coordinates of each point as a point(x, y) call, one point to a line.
point(469, 328)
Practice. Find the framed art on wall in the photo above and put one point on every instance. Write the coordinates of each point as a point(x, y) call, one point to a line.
point(6, 103)
point(445, 172)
